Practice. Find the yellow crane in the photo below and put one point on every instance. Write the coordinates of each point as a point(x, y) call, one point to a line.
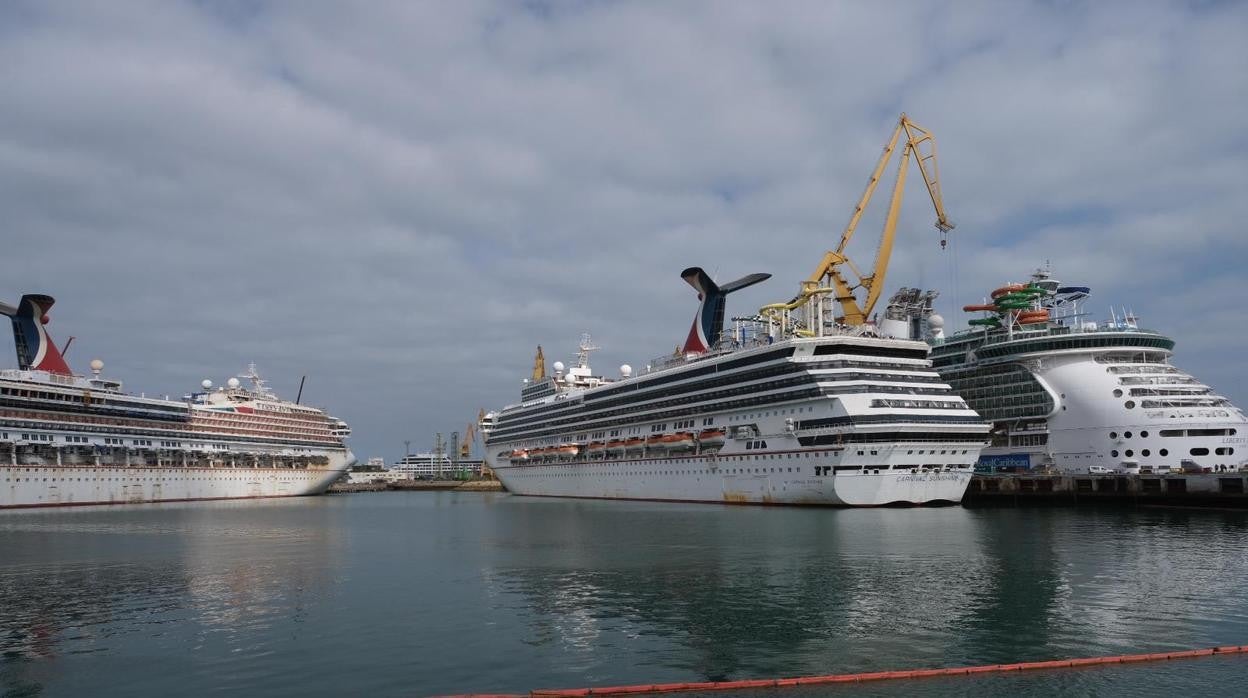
point(465, 446)
point(828, 277)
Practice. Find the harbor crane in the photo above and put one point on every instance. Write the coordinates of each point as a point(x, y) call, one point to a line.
point(829, 277)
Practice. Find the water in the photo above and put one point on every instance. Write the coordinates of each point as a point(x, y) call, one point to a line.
point(427, 593)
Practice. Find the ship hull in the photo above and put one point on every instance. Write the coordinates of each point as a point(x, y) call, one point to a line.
point(769, 479)
point(28, 486)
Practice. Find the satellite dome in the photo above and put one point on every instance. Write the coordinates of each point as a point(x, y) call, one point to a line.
point(233, 382)
point(97, 365)
point(206, 384)
point(935, 321)
point(558, 366)
point(626, 370)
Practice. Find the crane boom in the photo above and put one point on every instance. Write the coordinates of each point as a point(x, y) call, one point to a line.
point(828, 275)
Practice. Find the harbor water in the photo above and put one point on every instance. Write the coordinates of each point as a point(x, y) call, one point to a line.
point(441, 592)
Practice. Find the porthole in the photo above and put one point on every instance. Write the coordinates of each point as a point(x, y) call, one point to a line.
point(1117, 392)
point(1113, 434)
point(1144, 435)
point(1144, 453)
point(1113, 454)
point(1202, 451)
point(1130, 453)
point(1130, 404)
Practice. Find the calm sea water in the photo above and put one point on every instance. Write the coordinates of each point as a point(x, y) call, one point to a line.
point(428, 593)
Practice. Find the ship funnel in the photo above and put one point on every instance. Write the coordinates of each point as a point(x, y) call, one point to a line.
point(709, 321)
point(35, 349)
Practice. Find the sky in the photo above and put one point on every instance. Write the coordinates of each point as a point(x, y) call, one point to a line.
point(402, 200)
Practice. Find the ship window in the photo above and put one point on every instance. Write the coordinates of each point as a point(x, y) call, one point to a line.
point(1129, 404)
point(1144, 435)
point(1127, 435)
point(1130, 453)
point(1199, 451)
point(1113, 434)
point(1117, 392)
point(1113, 454)
point(1164, 452)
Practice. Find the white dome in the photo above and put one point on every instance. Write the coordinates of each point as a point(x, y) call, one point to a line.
point(97, 365)
point(206, 384)
point(233, 382)
point(558, 366)
point(935, 321)
point(626, 370)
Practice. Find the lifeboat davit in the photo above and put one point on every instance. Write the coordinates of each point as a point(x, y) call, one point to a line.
point(712, 438)
point(567, 451)
point(615, 447)
point(1030, 317)
point(635, 444)
point(680, 441)
point(975, 308)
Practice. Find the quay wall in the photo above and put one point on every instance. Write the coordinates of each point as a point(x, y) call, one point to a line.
point(1017, 489)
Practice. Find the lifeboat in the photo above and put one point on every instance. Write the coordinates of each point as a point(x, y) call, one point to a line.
point(635, 444)
point(712, 438)
point(1029, 317)
point(656, 442)
point(615, 447)
point(567, 451)
point(985, 322)
point(597, 448)
point(1008, 288)
point(519, 455)
point(680, 441)
point(990, 307)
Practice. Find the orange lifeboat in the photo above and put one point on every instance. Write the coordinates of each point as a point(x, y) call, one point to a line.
point(597, 448)
point(680, 441)
point(615, 447)
point(1030, 317)
point(990, 307)
point(567, 451)
point(655, 441)
point(635, 444)
point(1008, 288)
point(712, 438)
point(519, 455)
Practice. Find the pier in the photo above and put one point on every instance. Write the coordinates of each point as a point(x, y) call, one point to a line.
point(1226, 489)
point(417, 486)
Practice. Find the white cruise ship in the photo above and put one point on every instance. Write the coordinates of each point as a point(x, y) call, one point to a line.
point(1072, 395)
point(68, 440)
point(840, 417)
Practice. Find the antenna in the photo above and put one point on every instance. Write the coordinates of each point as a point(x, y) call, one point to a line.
point(300, 395)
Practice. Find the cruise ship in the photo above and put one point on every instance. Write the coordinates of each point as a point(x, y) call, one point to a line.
point(1069, 394)
point(67, 439)
point(828, 415)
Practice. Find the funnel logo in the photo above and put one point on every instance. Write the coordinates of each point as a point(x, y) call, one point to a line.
point(709, 322)
point(35, 349)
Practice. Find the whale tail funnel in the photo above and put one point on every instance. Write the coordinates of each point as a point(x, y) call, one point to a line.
point(709, 322)
point(35, 349)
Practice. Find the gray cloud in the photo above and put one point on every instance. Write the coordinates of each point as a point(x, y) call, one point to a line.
point(401, 200)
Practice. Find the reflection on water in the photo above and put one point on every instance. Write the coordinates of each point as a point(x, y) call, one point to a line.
point(424, 593)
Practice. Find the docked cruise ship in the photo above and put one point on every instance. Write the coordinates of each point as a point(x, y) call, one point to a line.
point(1069, 394)
point(833, 415)
point(67, 439)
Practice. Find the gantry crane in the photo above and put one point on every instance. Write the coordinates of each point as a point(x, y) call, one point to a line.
point(829, 278)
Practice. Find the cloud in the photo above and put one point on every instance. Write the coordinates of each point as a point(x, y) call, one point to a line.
point(402, 200)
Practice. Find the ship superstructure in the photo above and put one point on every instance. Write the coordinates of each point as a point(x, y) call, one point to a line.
point(67, 439)
point(1067, 393)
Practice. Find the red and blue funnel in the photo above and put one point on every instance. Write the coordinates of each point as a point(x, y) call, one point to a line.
point(35, 349)
point(708, 324)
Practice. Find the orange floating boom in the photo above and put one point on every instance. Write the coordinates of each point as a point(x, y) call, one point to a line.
point(655, 688)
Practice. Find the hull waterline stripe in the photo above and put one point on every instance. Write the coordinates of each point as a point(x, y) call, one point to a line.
point(643, 689)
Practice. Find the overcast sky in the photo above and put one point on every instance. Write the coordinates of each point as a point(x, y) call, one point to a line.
point(403, 200)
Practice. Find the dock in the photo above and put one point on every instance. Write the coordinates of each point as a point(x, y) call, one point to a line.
point(1226, 489)
point(417, 486)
